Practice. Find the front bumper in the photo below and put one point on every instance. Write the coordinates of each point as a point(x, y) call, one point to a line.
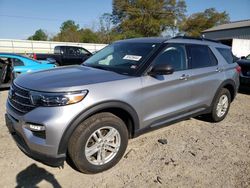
point(48, 160)
point(54, 119)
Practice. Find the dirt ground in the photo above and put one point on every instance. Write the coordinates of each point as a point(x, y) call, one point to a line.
point(197, 154)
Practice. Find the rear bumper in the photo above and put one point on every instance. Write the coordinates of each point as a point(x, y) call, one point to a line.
point(48, 160)
point(245, 80)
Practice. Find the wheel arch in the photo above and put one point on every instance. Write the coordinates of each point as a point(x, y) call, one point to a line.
point(230, 85)
point(118, 108)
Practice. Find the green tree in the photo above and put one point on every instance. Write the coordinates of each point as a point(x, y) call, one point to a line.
point(39, 35)
point(105, 31)
point(147, 17)
point(69, 25)
point(198, 22)
point(88, 36)
point(69, 32)
point(177, 10)
point(106, 23)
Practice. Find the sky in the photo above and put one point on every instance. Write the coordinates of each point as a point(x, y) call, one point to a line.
point(19, 19)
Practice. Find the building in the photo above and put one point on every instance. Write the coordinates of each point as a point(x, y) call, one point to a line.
point(235, 34)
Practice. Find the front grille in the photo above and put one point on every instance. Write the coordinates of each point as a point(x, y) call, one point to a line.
point(19, 99)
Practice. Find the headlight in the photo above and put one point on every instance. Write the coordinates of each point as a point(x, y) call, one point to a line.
point(56, 99)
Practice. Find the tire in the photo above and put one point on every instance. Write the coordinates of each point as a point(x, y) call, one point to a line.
point(99, 131)
point(215, 115)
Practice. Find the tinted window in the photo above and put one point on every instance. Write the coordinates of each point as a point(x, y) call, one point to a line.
point(227, 54)
point(72, 51)
point(57, 50)
point(201, 56)
point(76, 51)
point(82, 51)
point(174, 55)
point(3, 61)
point(17, 62)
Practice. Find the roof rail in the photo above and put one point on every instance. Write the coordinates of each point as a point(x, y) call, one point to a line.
point(195, 38)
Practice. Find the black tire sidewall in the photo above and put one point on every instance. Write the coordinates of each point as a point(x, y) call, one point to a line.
point(79, 157)
point(215, 117)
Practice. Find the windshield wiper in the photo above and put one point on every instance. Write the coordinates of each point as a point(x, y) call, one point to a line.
point(99, 67)
point(105, 68)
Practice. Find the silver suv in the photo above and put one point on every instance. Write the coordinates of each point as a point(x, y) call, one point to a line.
point(87, 113)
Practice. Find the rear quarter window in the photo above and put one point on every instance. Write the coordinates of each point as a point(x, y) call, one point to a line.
point(227, 54)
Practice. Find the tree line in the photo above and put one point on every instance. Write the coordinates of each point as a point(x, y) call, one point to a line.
point(139, 18)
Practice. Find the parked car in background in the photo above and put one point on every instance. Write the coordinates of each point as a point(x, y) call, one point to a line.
point(66, 55)
point(244, 63)
point(11, 65)
point(87, 113)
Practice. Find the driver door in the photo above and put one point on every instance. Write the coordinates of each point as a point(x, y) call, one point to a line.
point(167, 96)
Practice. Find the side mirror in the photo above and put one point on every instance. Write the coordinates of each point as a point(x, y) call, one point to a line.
point(161, 69)
point(242, 57)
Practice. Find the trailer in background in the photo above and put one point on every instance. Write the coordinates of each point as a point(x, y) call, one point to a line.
point(32, 46)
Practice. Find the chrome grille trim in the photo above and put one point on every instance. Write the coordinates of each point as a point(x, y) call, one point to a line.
point(16, 107)
point(22, 103)
point(18, 94)
point(19, 99)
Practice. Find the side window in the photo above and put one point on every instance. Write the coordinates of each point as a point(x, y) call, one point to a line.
point(227, 54)
point(82, 51)
point(2, 64)
point(57, 50)
point(200, 56)
point(17, 62)
point(174, 55)
point(72, 51)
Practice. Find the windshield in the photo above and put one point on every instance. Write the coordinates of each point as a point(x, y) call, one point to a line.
point(121, 57)
point(248, 57)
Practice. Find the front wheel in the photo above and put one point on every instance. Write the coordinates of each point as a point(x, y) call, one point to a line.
point(98, 143)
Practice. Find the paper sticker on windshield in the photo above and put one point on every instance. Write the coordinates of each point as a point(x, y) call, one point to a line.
point(133, 67)
point(132, 57)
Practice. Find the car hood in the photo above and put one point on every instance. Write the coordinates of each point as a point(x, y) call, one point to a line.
point(63, 79)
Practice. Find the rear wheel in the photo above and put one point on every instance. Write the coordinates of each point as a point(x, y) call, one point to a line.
point(221, 106)
point(98, 143)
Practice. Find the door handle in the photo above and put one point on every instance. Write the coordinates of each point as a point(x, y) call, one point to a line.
point(218, 69)
point(184, 77)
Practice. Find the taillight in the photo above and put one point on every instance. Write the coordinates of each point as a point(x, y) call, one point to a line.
point(34, 56)
point(238, 69)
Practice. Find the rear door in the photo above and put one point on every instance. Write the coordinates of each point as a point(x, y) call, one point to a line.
point(205, 73)
point(167, 96)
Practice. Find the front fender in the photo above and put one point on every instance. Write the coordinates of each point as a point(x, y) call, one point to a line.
point(90, 111)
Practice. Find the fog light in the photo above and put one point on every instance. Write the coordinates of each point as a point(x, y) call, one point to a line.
point(33, 127)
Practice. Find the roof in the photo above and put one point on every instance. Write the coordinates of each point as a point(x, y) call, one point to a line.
point(231, 25)
point(178, 39)
point(10, 54)
point(145, 40)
